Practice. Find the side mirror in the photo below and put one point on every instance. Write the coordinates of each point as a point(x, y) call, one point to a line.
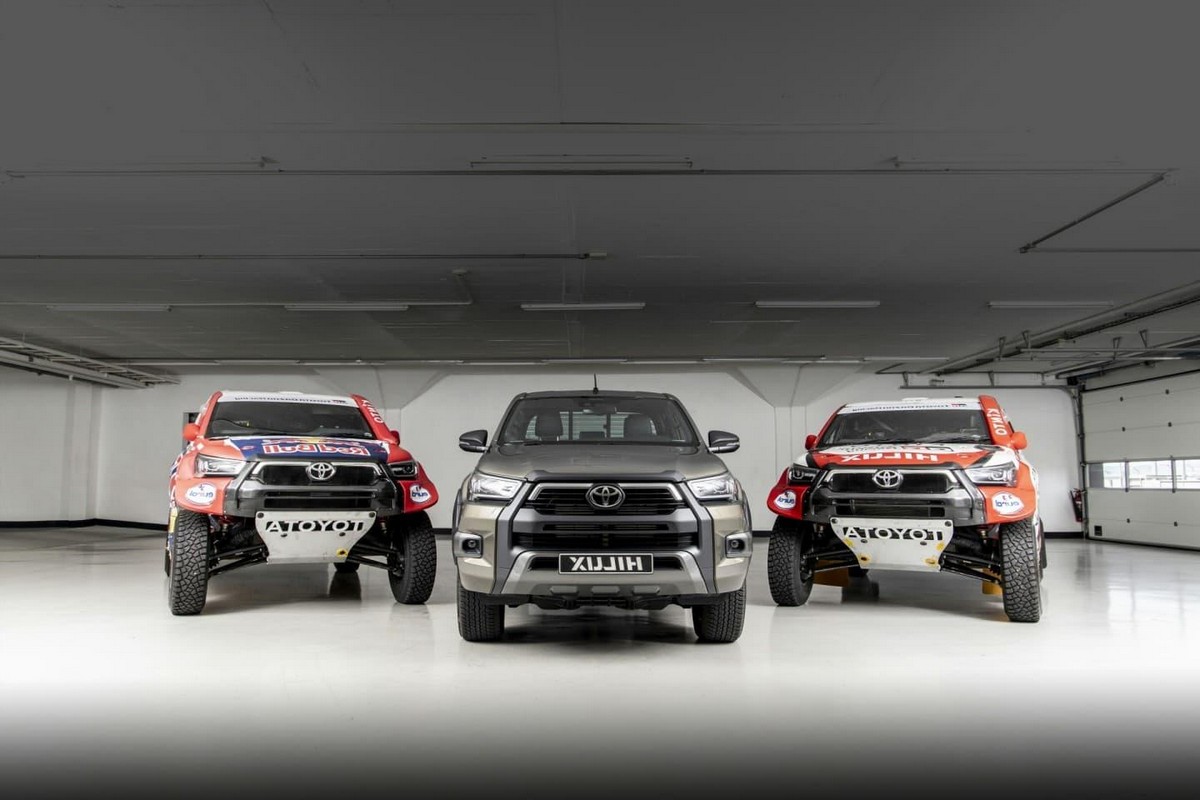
point(395, 435)
point(473, 441)
point(1018, 440)
point(191, 432)
point(723, 442)
point(810, 441)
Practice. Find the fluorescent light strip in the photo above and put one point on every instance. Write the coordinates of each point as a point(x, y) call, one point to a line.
point(816, 303)
point(348, 306)
point(582, 306)
point(1049, 304)
point(83, 307)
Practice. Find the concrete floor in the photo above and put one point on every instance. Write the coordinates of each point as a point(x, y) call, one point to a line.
point(294, 676)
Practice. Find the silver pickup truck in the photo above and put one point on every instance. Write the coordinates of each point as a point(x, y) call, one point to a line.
point(601, 498)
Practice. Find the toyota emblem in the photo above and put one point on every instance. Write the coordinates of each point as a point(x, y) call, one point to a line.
point(320, 471)
point(605, 497)
point(887, 478)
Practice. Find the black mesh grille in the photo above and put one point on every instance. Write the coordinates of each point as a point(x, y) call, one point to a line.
point(913, 483)
point(898, 508)
point(297, 475)
point(309, 501)
point(598, 541)
point(572, 500)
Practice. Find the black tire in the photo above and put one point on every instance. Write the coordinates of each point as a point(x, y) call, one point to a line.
point(790, 586)
point(478, 621)
point(167, 558)
point(412, 566)
point(190, 552)
point(1021, 560)
point(345, 566)
point(722, 621)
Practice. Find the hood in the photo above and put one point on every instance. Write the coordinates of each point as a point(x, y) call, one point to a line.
point(253, 448)
point(600, 461)
point(895, 455)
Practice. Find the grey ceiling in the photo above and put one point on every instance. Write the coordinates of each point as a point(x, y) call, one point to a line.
point(461, 156)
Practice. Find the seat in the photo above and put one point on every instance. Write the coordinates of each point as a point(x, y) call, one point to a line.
point(639, 427)
point(548, 426)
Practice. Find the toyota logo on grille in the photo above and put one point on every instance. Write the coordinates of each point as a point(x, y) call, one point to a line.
point(605, 497)
point(887, 479)
point(320, 471)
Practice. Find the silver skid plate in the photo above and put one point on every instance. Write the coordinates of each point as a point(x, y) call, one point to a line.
point(910, 544)
point(311, 536)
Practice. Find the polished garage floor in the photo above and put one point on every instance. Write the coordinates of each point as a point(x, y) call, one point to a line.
point(296, 677)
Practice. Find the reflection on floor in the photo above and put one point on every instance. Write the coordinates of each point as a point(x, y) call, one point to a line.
point(298, 672)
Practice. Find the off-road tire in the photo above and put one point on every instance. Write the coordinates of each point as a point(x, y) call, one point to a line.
point(788, 586)
point(478, 621)
point(191, 556)
point(1021, 562)
point(722, 621)
point(411, 576)
point(346, 566)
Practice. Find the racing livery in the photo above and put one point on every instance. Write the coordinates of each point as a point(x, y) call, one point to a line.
point(916, 484)
point(286, 477)
point(601, 498)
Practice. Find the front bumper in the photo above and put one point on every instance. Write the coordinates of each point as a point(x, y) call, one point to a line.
point(511, 551)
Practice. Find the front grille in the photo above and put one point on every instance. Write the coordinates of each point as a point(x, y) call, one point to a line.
point(599, 541)
point(297, 475)
point(604, 527)
point(914, 482)
point(890, 507)
point(661, 563)
point(315, 501)
point(572, 501)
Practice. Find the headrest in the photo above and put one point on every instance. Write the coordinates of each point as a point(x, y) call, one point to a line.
point(639, 426)
point(548, 425)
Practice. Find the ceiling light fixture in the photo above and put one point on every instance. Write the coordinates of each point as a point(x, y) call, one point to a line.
point(1049, 304)
point(816, 303)
point(347, 306)
point(582, 306)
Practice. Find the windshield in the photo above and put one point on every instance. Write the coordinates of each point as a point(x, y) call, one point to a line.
point(287, 419)
point(958, 425)
point(598, 419)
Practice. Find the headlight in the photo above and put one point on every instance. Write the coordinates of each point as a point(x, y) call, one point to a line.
point(801, 475)
point(403, 470)
point(721, 487)
point(1003, 473)
point(209, 465)
point(490, 487)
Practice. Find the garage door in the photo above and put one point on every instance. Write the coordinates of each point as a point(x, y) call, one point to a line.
point(1142, 445)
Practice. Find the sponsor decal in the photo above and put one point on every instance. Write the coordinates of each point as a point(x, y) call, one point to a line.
point(316, 525)
point(418, 493)
point(372, 412)
point(893, 533)
point(202, 494)
point(786, 500)
point(570, 564)
point(995, 418)
point(273, 397)
point(860, 408)
point(318, 448)
point(1007, 503)
point(894, 455)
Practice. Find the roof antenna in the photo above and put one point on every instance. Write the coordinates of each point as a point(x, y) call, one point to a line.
point(595, 384)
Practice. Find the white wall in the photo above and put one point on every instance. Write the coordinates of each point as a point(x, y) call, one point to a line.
point(770, 408)
point(49, 432)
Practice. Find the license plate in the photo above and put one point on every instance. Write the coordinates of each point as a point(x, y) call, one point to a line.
point(605, 564)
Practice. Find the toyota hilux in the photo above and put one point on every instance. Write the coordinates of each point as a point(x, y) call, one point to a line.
point(916, 484)
point(287, 477)
point(601, 498)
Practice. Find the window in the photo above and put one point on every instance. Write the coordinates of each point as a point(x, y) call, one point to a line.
point(1187, 473)
point(1173, 474)
point(1150, 474)
point(598, 418)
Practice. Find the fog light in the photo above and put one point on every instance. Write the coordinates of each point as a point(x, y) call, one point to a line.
point(737, 545)
point(468, 545)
